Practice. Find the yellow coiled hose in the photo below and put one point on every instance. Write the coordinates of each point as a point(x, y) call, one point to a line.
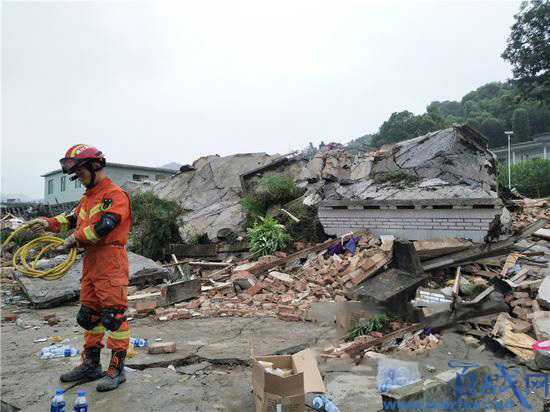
point(21, 256)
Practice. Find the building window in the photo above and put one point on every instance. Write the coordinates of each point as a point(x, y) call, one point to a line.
point(139, 178)
point(63, 180)
point(50, 186)
point(77, 184)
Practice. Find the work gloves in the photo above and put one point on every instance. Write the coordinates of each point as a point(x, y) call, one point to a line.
point(67, 245)
point(39, 224)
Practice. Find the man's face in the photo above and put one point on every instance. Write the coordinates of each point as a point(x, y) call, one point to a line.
point(84, 175)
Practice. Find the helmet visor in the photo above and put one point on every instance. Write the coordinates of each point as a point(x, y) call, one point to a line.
point(68, 165)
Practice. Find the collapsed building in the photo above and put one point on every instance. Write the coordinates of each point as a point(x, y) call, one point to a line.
point(442, 184)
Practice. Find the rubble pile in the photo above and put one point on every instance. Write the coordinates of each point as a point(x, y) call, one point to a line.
point(453, 163)
point(325, 276)
point(530, 210)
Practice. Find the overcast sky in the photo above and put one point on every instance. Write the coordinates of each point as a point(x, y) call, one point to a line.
point(154, 82)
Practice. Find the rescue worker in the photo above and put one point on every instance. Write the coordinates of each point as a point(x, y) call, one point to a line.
point(102, 221)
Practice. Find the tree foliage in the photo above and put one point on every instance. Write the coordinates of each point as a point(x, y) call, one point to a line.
point(528, 48)
point(530, 177)
point(154, 224)
point(491, 109)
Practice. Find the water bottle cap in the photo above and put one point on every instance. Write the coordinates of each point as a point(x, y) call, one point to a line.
point(81, 393)
point(67, 353)
point(59, 391)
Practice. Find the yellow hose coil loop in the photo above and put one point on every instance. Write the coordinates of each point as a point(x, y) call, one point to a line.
point(21, 256)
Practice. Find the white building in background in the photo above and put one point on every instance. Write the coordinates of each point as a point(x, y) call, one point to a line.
point(59, 189)
point(538, 147)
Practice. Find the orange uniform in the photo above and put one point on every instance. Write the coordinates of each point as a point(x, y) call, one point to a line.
point(104, 282)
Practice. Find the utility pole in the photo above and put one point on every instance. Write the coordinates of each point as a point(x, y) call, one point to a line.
point(509, 133)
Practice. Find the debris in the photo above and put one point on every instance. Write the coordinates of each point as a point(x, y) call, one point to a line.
point(179, 291)
point(429, 249)
point(543, 234)
point(287, 390)
point(9, 317)
point(518, 343)
point(161, 347)
point(46, 294)
point(478, 251)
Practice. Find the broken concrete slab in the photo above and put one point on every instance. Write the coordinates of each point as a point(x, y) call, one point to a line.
point(210, 194)
point(543, 296)
point(47, 294)
point(428, 249)
point(179, 291)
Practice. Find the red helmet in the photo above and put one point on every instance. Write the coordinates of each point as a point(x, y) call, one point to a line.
point(80, 154)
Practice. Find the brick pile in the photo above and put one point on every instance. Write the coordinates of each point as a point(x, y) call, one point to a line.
point(283, 293)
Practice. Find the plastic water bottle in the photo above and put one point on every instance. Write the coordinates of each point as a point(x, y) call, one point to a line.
point(322, 403)
point(58, 402)
point(58, 351)
point(80, 404)
point(138, 342)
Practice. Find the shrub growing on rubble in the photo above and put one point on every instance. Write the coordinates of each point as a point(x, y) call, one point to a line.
point(267, 236)
point(271, 190)
point(530, 177)
point(154, 224)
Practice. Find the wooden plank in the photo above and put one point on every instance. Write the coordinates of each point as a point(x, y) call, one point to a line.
point(184, 250)
point(369, 267)
point(480, 251)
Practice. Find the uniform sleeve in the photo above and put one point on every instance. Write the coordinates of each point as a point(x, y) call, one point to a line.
point(63, 222)
point(117, 203)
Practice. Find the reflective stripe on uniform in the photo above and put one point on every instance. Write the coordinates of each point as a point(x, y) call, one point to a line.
point(96, 209)
point(120, 334)
point(63, 222)
point(90, 235)
point(98, 330)
point(82, 214)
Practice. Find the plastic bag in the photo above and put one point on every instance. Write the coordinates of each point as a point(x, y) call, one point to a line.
point(394, 373)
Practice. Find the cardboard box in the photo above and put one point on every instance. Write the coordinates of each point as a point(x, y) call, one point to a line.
point(271, 390)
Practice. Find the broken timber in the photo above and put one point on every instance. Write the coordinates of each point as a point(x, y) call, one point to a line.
point(479, 251)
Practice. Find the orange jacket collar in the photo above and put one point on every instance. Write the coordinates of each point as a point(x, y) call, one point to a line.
point(98, 187)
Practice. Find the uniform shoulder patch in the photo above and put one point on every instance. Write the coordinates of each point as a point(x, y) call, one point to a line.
point(106, 203)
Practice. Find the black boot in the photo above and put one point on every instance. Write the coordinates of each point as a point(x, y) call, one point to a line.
point(89, 370)
point(115, 374)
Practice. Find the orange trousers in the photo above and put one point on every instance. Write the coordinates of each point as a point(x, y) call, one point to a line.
point(104, 285)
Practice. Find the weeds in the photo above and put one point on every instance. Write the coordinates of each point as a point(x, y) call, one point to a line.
point(377, 323)
point(267, 236)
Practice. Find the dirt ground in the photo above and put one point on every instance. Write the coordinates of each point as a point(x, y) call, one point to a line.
point(210, 369)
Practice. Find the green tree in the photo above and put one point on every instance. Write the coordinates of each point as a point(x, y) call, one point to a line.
point(528, 48)
point(530, 177)
point(520, 125)
point(494, 130)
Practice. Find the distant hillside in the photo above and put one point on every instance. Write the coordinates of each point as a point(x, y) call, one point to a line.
point(492, 109)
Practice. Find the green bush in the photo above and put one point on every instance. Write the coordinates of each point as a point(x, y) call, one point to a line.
point(271, 190)
point(154, 224)
point(267, 236)
point(530, 177)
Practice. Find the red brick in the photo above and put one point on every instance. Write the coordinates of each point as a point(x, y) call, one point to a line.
point(280, 254)
point(376, 334)
point(10, 317)
point(289, 316)
point(194, 304)
point(300, 286)
point(254, 289)
point(161, 347)
point(146, 306)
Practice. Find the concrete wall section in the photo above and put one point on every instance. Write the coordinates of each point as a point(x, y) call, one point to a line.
point(411, 224)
